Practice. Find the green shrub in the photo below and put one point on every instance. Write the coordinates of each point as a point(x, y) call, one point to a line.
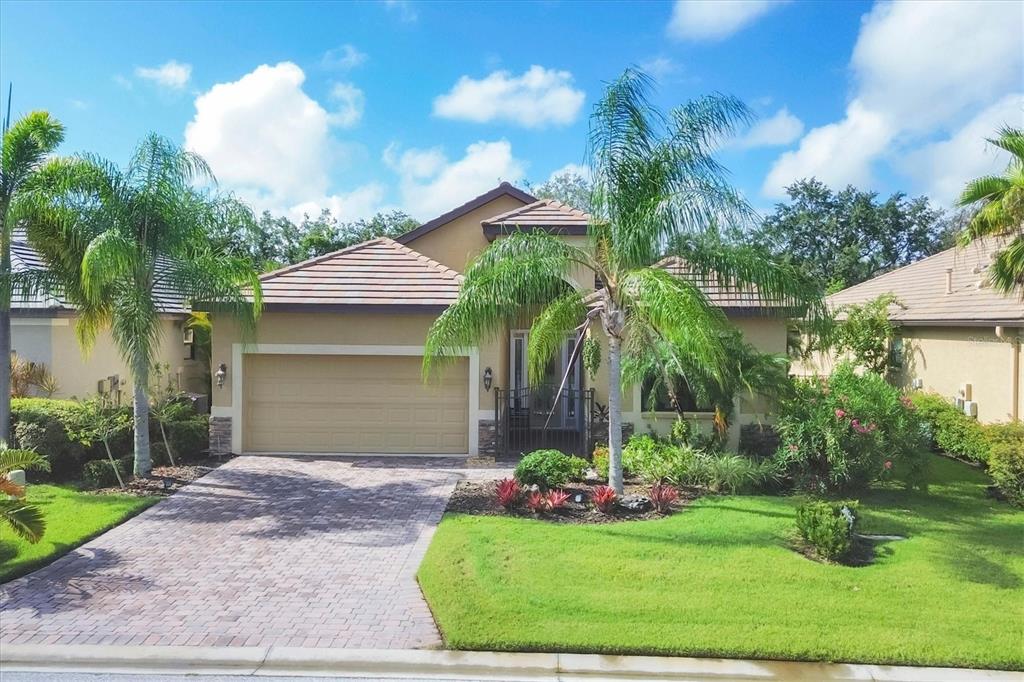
point(49, 438)
point(656, 462)
point(100, 474)
point(846, 431)
point(189, 438)
point(952, 431)
point(550, 469)
point(681, 432)
point(599, 460)
point(1006, 459)
point(828, 527)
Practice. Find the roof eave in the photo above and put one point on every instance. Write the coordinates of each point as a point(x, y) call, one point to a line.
point(504, 189)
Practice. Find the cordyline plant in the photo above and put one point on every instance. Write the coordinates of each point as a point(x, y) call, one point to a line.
point(657, 192)
point(119, 240)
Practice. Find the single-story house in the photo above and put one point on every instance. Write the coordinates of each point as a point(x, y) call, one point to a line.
point(956, 335)
point(335, 366)
point(43, 332)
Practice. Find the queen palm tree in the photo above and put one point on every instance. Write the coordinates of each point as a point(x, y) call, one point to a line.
point(116, 239)
point(23, 518)
point(26, 144)
point(1000, 202)
point(656, 188)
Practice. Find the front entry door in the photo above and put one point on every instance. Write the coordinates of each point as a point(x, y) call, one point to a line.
point(541, 398)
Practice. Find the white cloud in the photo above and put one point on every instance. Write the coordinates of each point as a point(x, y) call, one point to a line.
point(714, 19)
point(535, 99)
point(404, 9)
point(351, 103)
point(343, 58)
point(172, 75)
point(836, 154)
point(431, 185)
point(660, 67)
point(918, 73)
point(123, 81)
point(942, 168)
point(573, 169)
point(780, 129)
point(266, 139)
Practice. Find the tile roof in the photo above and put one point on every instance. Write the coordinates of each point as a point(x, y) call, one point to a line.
point(921, 288)
point(503, 189)
point(379, 272)
point(549, 214)
point(722, 295)
point(24, 258)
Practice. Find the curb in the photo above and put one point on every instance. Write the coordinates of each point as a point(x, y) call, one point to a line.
point(449, 665)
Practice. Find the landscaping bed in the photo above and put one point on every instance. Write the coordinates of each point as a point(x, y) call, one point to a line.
point(478, 498)
point(165, 480)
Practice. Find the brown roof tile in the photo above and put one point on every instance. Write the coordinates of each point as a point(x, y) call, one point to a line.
point(547, 214)
point(722, 295)
point(503, 189)
point(380, 272)
point(921, 288)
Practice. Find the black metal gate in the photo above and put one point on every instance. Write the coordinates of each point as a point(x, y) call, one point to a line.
point(543, 417)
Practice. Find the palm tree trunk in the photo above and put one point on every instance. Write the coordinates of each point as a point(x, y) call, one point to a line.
point(143, 463)
point(5, 331)
point(614, 415)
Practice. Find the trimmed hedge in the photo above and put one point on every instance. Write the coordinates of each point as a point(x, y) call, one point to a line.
point(100, 474)
point(951, 430)
point(1006, 459)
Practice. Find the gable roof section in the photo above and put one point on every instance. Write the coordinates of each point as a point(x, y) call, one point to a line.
point(547, 214)
point(380, 273)
point(471, 205)
point(24, 258)
point(730, 298)
point(921, 288)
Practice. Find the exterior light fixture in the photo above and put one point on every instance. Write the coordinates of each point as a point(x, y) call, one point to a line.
point(221, 374)
point(488, 378)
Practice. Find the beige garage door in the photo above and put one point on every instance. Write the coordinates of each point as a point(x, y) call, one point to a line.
point(349, 403)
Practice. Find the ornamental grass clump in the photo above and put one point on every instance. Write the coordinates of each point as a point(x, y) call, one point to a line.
point(845, 432)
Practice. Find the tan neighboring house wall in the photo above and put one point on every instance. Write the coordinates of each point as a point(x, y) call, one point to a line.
point(52, 342)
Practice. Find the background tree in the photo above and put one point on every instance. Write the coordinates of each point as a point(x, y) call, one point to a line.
point(1000, 203)
point(26, 144)
point(848, 237)
point(655, 183)
point(114, 237)
point(568, 187)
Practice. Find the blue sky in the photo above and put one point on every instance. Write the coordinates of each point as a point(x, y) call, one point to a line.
point(420, 106)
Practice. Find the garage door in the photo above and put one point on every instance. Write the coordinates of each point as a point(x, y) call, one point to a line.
point(349, 403)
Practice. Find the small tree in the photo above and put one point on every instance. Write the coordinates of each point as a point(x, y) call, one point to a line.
point(867, 332)
point(164, 403)
point(104, 422)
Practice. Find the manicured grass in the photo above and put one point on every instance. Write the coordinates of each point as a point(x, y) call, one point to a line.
point(72, 518)
point(720, 579)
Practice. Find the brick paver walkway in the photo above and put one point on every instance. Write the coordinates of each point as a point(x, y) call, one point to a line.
point(263, 550)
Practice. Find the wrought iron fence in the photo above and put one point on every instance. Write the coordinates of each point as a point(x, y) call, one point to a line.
point(541, 417)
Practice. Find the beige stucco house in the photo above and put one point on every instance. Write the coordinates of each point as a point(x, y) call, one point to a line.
point(957, 336)
point(43, 332)
point(336, 362)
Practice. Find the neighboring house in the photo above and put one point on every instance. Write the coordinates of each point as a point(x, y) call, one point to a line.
point(43, 331)
point(336, 362)
point(957, 336)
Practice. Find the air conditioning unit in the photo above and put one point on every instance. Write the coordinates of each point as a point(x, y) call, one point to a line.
point(917, 384)
point(971, 408)
point(966, 391)
point(958, 402)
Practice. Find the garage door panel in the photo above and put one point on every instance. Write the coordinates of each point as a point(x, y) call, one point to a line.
point(373, 404)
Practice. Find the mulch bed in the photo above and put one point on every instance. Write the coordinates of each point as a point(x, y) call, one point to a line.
point(166, 480)
point(478, 498)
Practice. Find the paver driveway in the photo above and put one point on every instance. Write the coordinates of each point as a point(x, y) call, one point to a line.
point(263, 550)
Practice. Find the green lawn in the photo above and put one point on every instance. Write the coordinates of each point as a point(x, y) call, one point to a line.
point(719, 579)
point(72, 518)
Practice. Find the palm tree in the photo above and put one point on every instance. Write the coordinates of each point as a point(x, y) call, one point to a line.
point(25, 520)
point(656, 188)
point(26, 145)
point(118, 238)
point(1000, 199)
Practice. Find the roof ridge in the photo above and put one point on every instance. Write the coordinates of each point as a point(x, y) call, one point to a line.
point(504, 188)
point(318, 259)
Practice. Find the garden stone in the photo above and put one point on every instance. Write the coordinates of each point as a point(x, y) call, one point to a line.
point(17, 477)
point(635, 502)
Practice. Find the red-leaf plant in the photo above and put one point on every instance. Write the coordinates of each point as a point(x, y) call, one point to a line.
point(537, 502)
point(662, 496)
point(604, 498)
point(508, 490)
point(557, 499)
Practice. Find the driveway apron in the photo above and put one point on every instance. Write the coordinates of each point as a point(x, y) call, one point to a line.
point(314, 552)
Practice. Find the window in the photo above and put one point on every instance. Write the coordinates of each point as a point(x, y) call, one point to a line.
point(662, 402)
point(896, 352)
